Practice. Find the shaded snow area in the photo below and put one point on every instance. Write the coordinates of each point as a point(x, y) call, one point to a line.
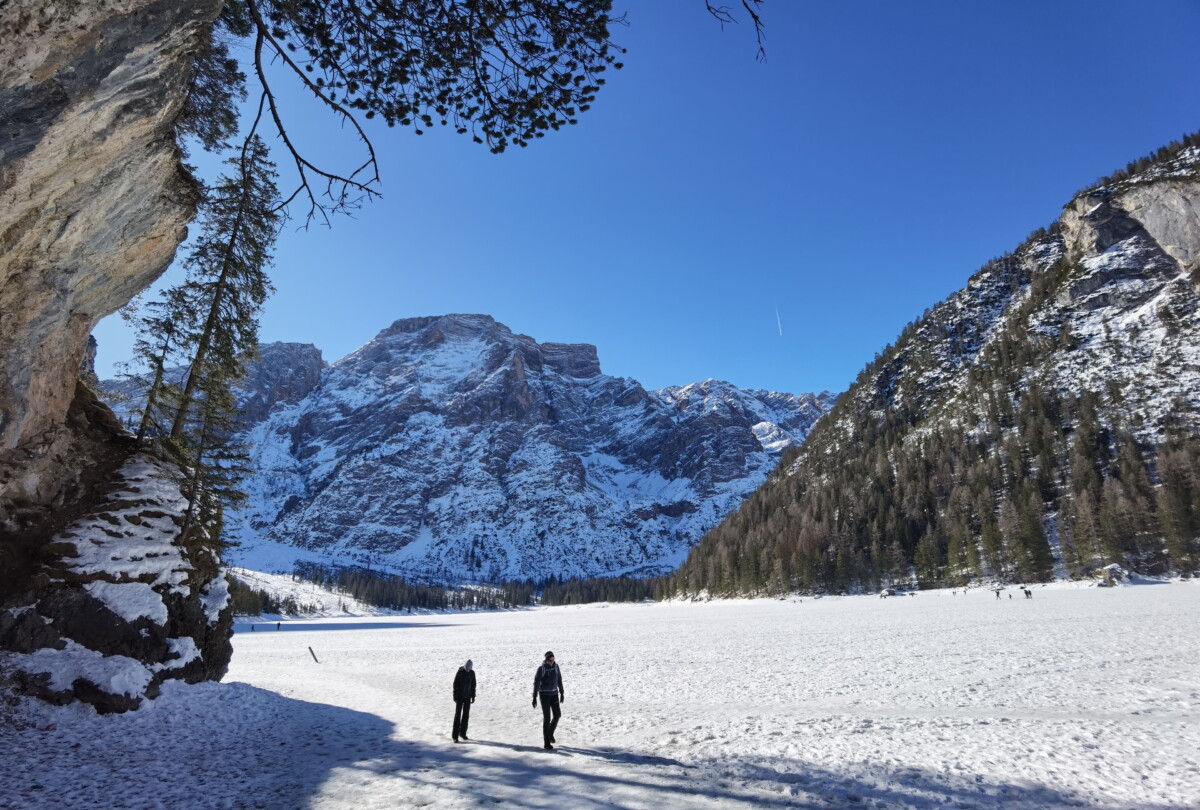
point(1078, 697)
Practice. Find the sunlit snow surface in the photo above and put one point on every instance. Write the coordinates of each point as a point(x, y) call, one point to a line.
point(1078, 697)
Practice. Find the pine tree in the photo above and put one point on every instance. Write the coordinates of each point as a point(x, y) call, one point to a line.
point(1037, 558)
point(505, 72)
point(1117, 519)
point(227, 279)
point(1178, 499)
point(209, 325)
point(163, 330)
point(928, 559)
point(959, 542)
point(214, 462)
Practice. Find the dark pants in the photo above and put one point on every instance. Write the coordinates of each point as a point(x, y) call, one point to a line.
point(462, 715)
point(549, 706)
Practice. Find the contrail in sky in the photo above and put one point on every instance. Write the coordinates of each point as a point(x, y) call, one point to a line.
point(778, 322)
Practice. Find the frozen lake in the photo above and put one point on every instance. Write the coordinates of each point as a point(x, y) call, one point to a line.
point(1078, 697)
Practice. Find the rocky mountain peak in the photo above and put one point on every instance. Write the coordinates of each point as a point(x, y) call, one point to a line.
point(453, 324)
point(572, 359)
point(283, 374)
point(472, 332)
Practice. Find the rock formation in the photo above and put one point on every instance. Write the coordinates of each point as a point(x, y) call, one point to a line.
point(93, 204)
point(119, 602)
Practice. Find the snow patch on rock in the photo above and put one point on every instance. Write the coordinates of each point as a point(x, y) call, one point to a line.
point(130, 600)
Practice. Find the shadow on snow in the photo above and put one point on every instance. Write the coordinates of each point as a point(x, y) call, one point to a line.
point(235, 745)
point(565, 778)
point(209, 745)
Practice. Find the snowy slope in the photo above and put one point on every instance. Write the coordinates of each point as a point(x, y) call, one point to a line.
point(452, 449)
point(311, 600)
point(1079, 697)
point(1125, 313)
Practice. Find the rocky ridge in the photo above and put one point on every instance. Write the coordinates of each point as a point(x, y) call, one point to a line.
point(1124, 310)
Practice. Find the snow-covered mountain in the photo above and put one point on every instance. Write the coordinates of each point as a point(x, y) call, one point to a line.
point(450, 448)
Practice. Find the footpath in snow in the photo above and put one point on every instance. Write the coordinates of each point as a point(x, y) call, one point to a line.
point(1078, 697)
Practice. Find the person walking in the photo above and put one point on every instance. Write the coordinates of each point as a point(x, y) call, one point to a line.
point(464, 696)
point(548, 684)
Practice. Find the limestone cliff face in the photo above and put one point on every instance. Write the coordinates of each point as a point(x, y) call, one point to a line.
point(104, 592)
point(283, 374)
point(1160, 206)
point(93, 202)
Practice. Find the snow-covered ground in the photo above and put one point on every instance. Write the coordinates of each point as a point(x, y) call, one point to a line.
point(315, 601)
point(1078, 697)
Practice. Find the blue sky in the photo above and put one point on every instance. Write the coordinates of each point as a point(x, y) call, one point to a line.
point(881, 154)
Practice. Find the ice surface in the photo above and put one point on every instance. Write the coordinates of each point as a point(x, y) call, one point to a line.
point(1078, 697)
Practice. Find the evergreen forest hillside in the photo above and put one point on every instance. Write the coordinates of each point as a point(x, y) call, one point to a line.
point(1040, 423)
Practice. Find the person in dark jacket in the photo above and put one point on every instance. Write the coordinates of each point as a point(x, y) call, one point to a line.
point(548, 684)
point(464, 696)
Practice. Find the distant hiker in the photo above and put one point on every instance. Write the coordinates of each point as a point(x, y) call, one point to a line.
point(278, 625)
point(464, 696)
point(547, 683)
point(1028, 593)
point(997, 590)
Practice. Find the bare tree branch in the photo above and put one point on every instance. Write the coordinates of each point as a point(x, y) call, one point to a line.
point(723, 15)
point(343, 193)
